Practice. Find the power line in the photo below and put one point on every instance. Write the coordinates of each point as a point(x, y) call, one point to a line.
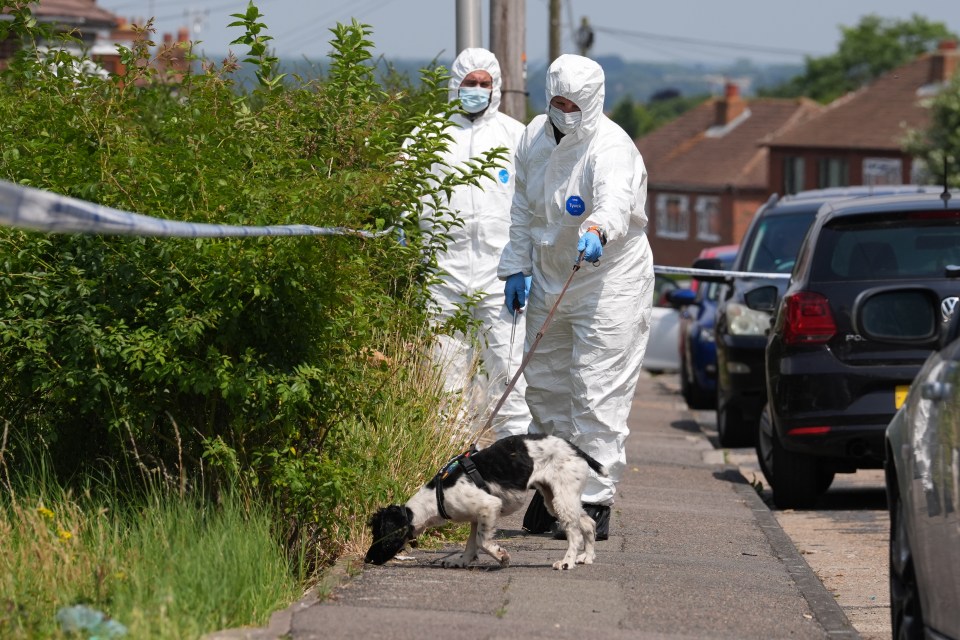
point(371, 6)
point(701, 42)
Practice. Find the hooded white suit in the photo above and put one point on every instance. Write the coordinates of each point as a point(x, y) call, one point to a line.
point(473, 250)
point(583, 375)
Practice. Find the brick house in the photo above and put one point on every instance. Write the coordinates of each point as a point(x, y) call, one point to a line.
point(708, 171)
point(100, 32)
point(858, 138)
point(83, 17)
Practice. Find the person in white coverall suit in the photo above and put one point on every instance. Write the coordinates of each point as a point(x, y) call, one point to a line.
point(581, 186)
point(469, 264)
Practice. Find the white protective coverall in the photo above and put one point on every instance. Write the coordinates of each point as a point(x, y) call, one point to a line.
point(582, 377)
point(470, 260)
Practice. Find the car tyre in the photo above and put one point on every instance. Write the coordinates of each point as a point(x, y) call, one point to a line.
point(796, 477)
point(731, 429)
point(693, 394)
point(906, 615)
point(764, 446)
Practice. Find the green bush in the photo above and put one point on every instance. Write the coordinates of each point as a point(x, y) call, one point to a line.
point(221, 356)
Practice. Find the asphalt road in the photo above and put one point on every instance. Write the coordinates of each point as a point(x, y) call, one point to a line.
point(843, 539)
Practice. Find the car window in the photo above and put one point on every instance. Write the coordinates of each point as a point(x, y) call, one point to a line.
point(776, 242)
point(660, 288)
point(663, 285)
point(887, 247)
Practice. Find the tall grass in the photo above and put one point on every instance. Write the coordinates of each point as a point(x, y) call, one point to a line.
point(169, 563)
point(393, 451)
point(163, 565)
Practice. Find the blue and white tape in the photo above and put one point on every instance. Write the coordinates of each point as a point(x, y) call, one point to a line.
point(728, 275)
point(37, 210)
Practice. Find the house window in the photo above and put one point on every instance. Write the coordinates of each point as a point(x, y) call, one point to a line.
point(708, 218)
point(834, 172)
point(672, 216)
point(793, 175)
point(882, 171)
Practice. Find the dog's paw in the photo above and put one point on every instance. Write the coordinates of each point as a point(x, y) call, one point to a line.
point(585, 559)
point(504, 558)
point(457, 561)
point(564, 565)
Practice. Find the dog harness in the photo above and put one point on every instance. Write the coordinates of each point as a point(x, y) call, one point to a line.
point(469, 468)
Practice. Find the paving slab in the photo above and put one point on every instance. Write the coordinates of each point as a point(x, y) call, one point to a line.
point(693, 553)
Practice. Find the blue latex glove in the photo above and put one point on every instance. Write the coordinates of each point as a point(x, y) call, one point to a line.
point(515, 292)
point(527, 281)
point(591, 246)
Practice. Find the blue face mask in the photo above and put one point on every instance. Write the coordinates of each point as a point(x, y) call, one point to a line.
point(474, 99)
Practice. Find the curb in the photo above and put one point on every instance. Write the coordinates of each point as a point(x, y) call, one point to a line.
point(280, 622)
point(822, 603)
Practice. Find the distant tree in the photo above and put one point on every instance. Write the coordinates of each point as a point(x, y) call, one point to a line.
point(870, 49)
point(941, 140)
point(627, 114)
point(638, 119)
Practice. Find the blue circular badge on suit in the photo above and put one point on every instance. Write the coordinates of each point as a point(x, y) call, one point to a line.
point(504, 176)
point(575, 206)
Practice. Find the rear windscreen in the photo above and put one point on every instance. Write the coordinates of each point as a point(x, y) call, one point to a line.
point(888, 247)
point(775, 244)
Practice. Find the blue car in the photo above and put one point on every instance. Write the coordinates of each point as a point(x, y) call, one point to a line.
point(698, 349)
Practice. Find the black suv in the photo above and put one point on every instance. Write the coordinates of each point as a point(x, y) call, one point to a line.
point(769, 246)
point(831, 391)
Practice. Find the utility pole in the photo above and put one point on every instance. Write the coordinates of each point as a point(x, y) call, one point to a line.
point(468, 25)
point(507, 29)
point(554, 51)
point(584, 36)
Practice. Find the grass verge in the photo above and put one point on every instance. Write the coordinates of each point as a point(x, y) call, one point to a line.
point(167, 567)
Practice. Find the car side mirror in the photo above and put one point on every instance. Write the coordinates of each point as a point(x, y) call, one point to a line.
point(679, 298)
point(762, 298)
point(898, 315)
point(709, 264)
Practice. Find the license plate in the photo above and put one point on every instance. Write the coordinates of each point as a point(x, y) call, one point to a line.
point(900, 394)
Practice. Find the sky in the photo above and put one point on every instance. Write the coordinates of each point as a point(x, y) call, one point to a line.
point(764, 31)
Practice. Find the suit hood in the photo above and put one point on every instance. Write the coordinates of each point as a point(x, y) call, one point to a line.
point(581, 81)
point(467, 62)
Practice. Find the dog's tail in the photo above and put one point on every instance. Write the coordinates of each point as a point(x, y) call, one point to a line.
point(598, 468)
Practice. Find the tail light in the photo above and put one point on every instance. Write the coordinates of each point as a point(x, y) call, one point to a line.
point(807, 319)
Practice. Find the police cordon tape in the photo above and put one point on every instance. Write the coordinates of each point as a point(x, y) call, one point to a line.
point(719, 273)
point(38, 210)
point(29, 208)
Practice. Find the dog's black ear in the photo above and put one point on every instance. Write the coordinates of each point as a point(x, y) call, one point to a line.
point(391, 528)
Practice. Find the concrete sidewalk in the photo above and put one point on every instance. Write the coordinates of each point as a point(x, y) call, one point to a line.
point(693, 553)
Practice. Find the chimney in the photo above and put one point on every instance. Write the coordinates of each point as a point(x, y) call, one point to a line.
point(730, 107)
point(943, 63)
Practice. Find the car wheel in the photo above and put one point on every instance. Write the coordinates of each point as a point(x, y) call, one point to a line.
point(765, 444)
point(824, 479)
point(731, 430)
point(795, 477)
point(693, 394)
point(906, 616)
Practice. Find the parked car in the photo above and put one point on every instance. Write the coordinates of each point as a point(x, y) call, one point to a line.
point(922, 445)
point(831, 391)
point(661, 355)
point(770, 245)
point(697, 349)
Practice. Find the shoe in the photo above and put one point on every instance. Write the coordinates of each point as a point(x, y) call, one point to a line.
point(601, 517)
point(537, 519)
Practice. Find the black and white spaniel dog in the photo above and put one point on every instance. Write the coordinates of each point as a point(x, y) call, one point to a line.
point(480, 486)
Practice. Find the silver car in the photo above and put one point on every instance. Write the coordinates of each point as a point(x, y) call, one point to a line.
point(922, 459)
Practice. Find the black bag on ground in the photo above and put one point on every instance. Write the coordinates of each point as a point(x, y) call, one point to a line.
point(537, 519)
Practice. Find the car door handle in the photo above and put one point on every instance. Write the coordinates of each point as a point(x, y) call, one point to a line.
point(936, 390)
